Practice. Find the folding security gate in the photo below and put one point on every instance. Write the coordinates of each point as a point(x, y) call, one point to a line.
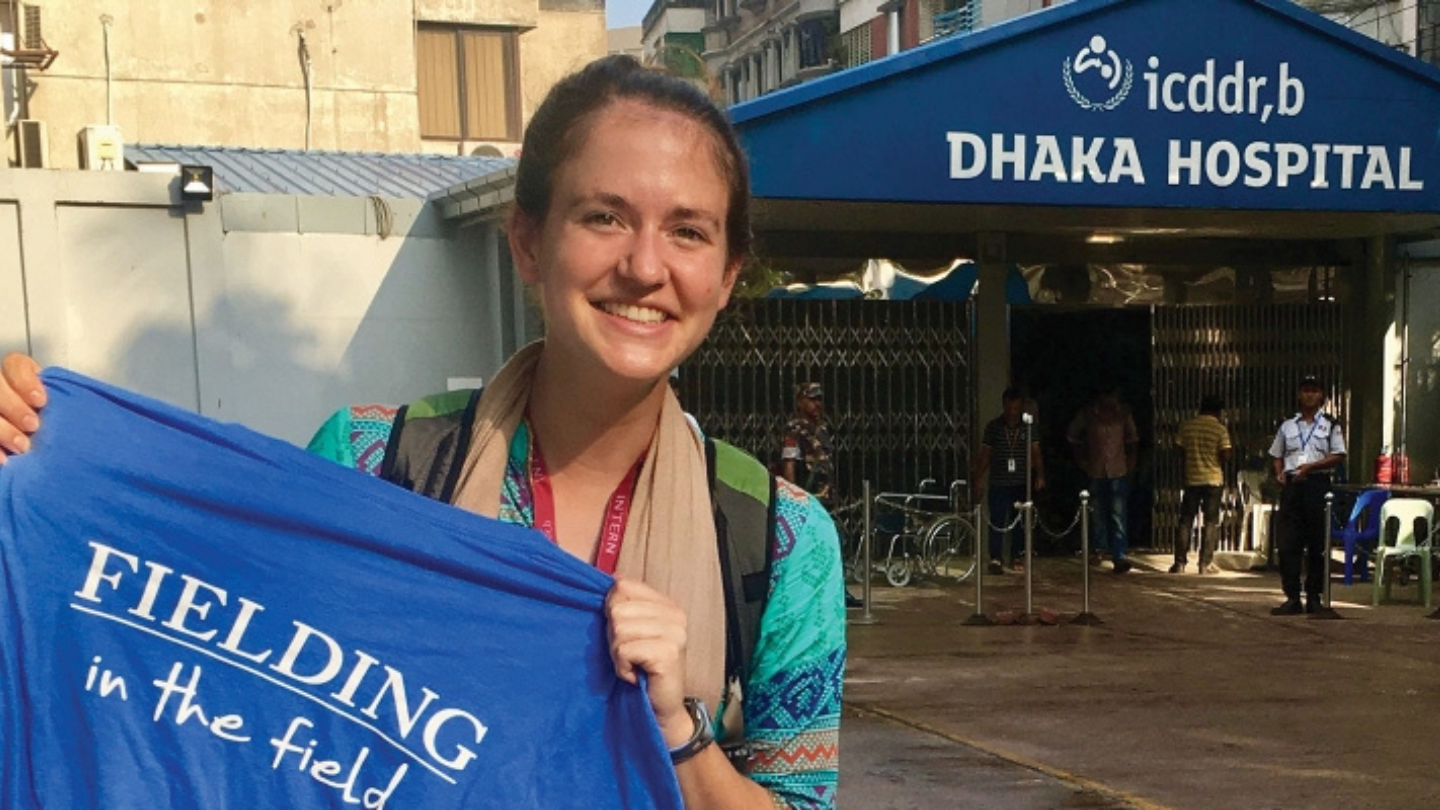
point(897, 378)
point(1253, 357)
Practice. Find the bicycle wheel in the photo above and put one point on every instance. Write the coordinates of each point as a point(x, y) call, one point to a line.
point(949, 543)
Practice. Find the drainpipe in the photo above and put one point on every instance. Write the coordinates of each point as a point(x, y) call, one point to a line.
point(105, 21)
point(892, 32)
point(305, 68)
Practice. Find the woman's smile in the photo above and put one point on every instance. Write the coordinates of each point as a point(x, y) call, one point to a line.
point(634, 312)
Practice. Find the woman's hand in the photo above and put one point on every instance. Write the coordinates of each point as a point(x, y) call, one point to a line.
point(647, 632)
point(21, 397)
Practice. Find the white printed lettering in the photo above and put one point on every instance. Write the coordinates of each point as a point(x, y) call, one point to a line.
point(1377, 169)
point(189, 708)
point(303, 633)
point(187, 604)
point(959, 169)
point(97, 573)
point(1048, 160)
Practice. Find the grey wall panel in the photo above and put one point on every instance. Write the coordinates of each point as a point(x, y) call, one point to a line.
point(127, 310)
point(14, 326)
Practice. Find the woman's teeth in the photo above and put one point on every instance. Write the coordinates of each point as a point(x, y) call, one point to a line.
point(631, 312)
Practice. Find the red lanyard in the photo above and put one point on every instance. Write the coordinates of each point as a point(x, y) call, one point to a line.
point(617, 511)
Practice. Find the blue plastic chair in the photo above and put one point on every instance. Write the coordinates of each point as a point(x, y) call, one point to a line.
point(1361, 532)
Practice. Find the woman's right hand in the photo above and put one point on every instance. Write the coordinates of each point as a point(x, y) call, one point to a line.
point(22, 395)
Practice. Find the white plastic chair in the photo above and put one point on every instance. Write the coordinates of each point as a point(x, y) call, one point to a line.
point(1255, 512)
point(1405, 526)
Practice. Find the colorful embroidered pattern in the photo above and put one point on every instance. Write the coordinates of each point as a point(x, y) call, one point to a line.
point(792, 705)
point(369, 431)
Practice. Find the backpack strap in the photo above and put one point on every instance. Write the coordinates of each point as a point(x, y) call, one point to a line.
point(743, 498)
point(426, 449)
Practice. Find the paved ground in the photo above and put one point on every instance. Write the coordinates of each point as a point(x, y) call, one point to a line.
point(1190, 695)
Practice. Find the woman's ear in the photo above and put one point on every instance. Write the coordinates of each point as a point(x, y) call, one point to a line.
point(523, 234)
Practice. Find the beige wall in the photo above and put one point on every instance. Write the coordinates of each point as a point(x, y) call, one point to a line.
point(228, 73)
point(564, 42)
point(521, 13)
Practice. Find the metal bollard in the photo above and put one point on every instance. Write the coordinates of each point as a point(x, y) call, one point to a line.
point(1326, 611)
point(1085, 616)
point(867, 530)
point(1027, 512)
point(978, 618)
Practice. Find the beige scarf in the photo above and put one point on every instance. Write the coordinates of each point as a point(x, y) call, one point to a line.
point(670, 536)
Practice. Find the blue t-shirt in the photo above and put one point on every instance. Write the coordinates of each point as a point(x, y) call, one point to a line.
point(194, 616)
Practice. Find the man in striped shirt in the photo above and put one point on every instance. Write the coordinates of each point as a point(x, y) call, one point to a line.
point(1204, 446)
point(1009, 456)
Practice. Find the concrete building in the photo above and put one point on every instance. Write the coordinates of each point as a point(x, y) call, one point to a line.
point(754, 47)
point(673, 35)
point(442, 76)
point(625, 40)
point(1410, 26)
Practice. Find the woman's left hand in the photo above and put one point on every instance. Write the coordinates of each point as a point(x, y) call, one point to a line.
point(647, 632)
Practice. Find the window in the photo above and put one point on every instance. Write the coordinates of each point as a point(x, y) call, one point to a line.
point(857, 45)
point(1427, 34)
point(956, 17)
point(468, 83)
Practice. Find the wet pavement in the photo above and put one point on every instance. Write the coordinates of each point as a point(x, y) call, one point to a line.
point(1189, 695)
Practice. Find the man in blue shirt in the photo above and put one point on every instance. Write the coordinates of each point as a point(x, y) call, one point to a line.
point(1307, 447)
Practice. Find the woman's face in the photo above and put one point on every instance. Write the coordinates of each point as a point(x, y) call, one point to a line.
point(631, 259)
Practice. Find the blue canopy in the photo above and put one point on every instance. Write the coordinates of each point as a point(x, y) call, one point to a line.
point(1117, 104)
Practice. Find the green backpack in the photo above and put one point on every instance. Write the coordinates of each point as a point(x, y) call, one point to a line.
point(426, 451)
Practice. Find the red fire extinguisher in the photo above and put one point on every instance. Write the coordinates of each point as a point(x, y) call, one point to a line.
point(1384, 467)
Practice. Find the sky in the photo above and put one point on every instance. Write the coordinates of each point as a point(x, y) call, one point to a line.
point(625, 13)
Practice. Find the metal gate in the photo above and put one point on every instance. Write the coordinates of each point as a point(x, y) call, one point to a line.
point(1253, 357)
point(897, 378)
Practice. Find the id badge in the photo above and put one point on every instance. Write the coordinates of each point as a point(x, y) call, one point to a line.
point(1010, 465)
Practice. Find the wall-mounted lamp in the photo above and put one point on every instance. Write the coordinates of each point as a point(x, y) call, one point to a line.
point(197, 183)
point(1104, 238)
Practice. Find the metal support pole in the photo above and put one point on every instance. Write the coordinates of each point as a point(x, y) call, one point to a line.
point(1326, 611)
point(867, 530)
point(1085, 616)
point(978, 618)
point(1029, 473)
point(1029, 513)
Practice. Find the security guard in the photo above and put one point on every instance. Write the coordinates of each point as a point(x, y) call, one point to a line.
point(807, 455)
point(1306, 448)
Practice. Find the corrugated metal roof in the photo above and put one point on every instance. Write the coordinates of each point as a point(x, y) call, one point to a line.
point(323, 174)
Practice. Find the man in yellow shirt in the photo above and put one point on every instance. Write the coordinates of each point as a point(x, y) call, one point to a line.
point(1204, 450)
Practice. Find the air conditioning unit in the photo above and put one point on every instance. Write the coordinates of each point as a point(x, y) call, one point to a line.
point(101, 148)
point(32, 147)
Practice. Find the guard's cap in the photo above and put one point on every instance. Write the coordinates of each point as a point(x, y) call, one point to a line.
point(1310, 380)
point(810, 390)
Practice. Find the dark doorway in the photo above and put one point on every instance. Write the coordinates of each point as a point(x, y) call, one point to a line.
point(1063, 358)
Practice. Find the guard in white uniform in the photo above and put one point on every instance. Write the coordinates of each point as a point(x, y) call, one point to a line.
point(1307, 447)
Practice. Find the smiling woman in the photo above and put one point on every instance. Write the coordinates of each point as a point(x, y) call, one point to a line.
point(631, 224)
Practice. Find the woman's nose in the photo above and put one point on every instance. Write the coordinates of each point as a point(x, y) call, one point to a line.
point(645, 263)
